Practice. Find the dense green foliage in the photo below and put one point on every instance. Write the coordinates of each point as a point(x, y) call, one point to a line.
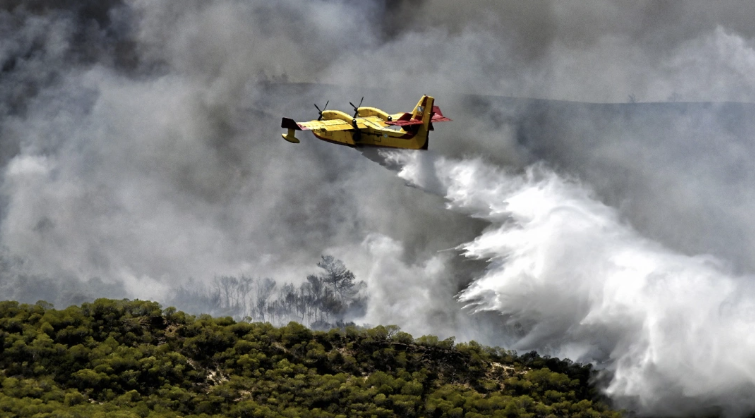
point(133, 359)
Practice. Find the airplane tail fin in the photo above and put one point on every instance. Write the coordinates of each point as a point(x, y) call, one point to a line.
point(424, 112)
point(424, 109)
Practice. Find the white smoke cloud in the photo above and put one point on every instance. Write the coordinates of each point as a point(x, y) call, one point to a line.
point(139, 149)
point(674, 331)
point(414, 294)
point(156, 121)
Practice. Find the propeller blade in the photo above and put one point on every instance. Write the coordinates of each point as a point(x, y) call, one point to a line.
point(356, 108)
point(320, 111)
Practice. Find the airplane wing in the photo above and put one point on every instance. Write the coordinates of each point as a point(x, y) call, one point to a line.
point(316, 125)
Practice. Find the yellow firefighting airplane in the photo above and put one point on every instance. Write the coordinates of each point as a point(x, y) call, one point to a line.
point(371, 127)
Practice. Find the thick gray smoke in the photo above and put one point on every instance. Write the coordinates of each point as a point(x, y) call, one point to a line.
point(140, 152)
point(146, 172)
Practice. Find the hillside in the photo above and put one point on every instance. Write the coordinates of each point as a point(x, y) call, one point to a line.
point(133, 359)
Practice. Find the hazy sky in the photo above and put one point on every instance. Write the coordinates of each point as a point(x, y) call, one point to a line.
point(140, 146)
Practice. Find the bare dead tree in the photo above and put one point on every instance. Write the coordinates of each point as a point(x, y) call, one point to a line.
point(264, 291)
point(340, 279)
point(226, 287)
point(244, 289)
point(322, 300)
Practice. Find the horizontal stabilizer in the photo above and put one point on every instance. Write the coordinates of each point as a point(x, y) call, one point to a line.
point(406, 120)
point(438, 116)
point(290, 124)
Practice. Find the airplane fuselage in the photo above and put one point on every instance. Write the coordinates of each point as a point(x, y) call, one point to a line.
point(370, 129)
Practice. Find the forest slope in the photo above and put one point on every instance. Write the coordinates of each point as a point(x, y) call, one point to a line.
point(134, 359)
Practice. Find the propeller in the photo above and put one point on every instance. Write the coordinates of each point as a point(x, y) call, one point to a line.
point(356, 108)
point(323, 109)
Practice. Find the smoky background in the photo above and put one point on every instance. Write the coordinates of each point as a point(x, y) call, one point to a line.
point(140, 150)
